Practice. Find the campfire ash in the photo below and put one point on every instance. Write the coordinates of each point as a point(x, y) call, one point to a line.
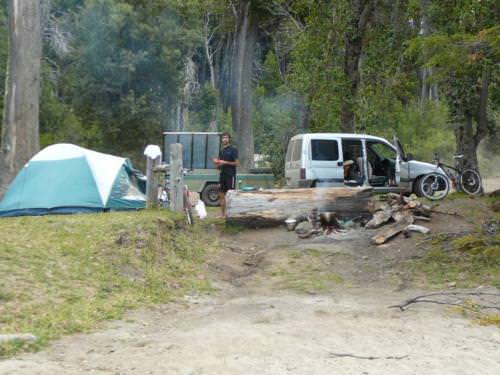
point(318, 223)
point(395, 213)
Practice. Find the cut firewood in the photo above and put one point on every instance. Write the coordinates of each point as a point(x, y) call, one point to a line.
point(379, 218)
point(423, 210)
point(403, 215)
point(273, 207)
point(389, 232)
point(412, 204)
point(417, 228)
point(422, 218)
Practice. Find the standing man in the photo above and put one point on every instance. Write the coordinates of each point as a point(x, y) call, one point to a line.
point(226, 163)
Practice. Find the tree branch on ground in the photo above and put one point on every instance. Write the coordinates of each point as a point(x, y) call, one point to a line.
point(462, 302)
point(366, 357)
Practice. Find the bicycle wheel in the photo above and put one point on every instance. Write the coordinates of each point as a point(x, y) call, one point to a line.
point(470, 182)
point(434, 186)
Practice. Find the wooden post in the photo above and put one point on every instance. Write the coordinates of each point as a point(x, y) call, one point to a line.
point(176, 178)
point(152, 182)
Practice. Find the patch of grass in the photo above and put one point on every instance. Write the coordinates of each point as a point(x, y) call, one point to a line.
point(469, 260)
point(489, 320)
point(458, 195)
point(224, 227)
point(66, 274)
point(472, 311)
point(304, 271)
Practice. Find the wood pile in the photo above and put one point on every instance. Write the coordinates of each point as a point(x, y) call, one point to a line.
point(401, 213)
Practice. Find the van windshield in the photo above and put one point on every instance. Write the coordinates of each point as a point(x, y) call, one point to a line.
point(325, 150)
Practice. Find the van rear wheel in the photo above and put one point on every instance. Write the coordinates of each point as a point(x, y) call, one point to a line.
point(210, 195)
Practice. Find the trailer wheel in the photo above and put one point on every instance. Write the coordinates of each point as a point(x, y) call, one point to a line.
point(210, 195)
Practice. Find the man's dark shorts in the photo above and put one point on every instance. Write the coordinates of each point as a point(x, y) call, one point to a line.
point(227, 183)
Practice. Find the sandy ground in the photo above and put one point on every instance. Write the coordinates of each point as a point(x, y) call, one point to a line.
point(254, 326)
point(277, 334)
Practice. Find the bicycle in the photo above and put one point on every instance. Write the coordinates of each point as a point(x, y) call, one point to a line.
point(164, 199)
point(436, 185)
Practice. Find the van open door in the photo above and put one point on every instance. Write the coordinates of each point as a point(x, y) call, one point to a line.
point(399, 158)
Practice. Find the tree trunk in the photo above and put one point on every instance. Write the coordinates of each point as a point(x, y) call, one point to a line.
point(208, 36)
point(273, 207)
point(465, 144)
point(429, 90)
point(20, 132)
point(361, 11)
point(467, 135)
point(242, 71)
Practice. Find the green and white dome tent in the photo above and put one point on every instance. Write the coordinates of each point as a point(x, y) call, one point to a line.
point(64, 178)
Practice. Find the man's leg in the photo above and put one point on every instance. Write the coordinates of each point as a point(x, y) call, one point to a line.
point(222, 202)
point(222, 195)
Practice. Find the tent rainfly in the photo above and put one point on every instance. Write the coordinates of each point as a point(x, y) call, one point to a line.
point(64, 178)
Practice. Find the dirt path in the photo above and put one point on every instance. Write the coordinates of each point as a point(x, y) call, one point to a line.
point(280, 311)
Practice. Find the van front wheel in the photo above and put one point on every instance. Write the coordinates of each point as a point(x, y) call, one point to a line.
point(433, 186)
point(210, 195)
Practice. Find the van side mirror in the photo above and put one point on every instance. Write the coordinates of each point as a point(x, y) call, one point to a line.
point(409, 157)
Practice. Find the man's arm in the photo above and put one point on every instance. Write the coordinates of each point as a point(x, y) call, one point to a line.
point(235, 163)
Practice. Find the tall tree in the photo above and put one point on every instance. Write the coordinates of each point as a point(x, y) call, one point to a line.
point(20, 131)
point(359, 13)
point(244, 45)
point(429, 90)
point(464, 55)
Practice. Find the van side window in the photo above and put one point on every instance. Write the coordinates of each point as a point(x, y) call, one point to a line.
point(323, 149)
point(382, 150)
point(289, 151)
point(297, 150)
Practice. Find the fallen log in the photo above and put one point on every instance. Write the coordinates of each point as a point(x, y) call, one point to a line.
point(274, 206)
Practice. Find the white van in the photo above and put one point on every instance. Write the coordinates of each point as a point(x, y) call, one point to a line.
point(340, 159)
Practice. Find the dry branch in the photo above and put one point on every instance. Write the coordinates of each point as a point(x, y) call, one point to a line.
point(424, 299)
point(417, 228)
point(365, 357)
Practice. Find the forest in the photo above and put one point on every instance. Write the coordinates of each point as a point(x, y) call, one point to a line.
point(116, 73)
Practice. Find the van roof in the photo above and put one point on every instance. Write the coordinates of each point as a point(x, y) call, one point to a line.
point(339, 135)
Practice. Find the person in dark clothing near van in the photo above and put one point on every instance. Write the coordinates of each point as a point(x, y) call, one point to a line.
point(226, 163)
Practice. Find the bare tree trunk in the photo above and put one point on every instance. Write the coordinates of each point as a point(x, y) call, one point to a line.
point(361, 12)
point(20, 132)
point(465, 145)
point(242, 72)
point(429, 90)
point(208, 36)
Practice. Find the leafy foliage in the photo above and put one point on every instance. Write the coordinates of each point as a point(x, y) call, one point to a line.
point(124, 78)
